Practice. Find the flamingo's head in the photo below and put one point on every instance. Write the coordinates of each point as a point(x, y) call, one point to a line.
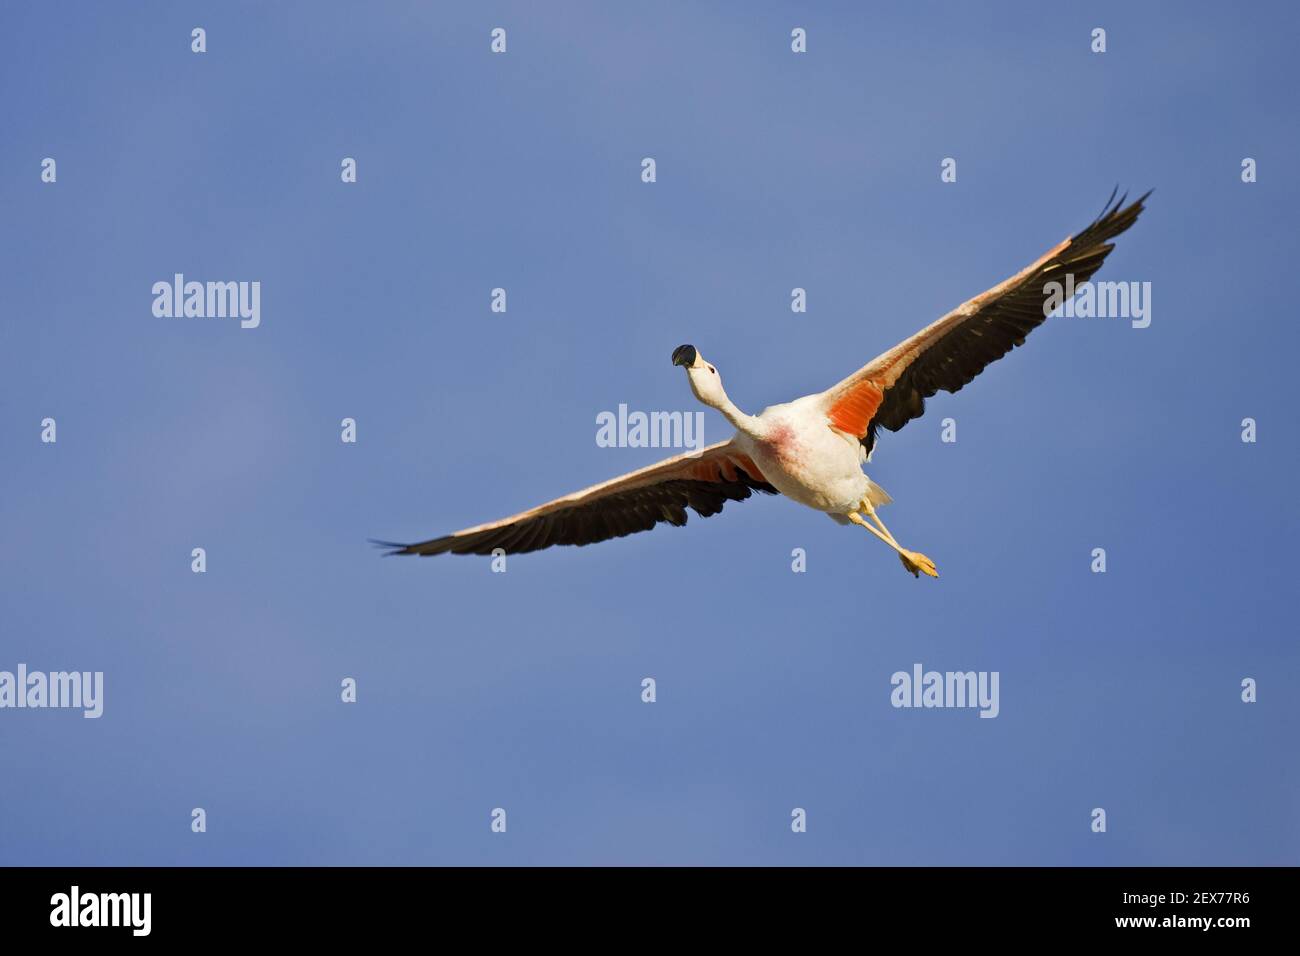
point(705, 381)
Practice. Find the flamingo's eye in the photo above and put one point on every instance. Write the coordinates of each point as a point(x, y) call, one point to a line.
point(713, 370)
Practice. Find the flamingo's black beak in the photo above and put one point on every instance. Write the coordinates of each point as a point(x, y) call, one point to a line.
point(684, 355)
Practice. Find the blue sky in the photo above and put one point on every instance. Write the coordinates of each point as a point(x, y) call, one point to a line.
point(522, 690)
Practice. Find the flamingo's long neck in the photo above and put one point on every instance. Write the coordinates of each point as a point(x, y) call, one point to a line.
point(748, 424)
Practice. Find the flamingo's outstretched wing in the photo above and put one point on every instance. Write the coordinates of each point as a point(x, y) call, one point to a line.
point(891, 390)
point(637, 501)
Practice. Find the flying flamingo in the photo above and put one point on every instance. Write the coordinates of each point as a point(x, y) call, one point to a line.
point(812, 449)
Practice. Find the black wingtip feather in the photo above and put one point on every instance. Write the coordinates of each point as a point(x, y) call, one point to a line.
point(391, 547)
point(1115, 218)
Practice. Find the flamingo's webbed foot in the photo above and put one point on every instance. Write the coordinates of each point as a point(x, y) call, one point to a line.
point(917, 563)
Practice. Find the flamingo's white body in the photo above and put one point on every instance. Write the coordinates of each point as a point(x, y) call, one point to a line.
point(812, 449)
point(803, 459)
